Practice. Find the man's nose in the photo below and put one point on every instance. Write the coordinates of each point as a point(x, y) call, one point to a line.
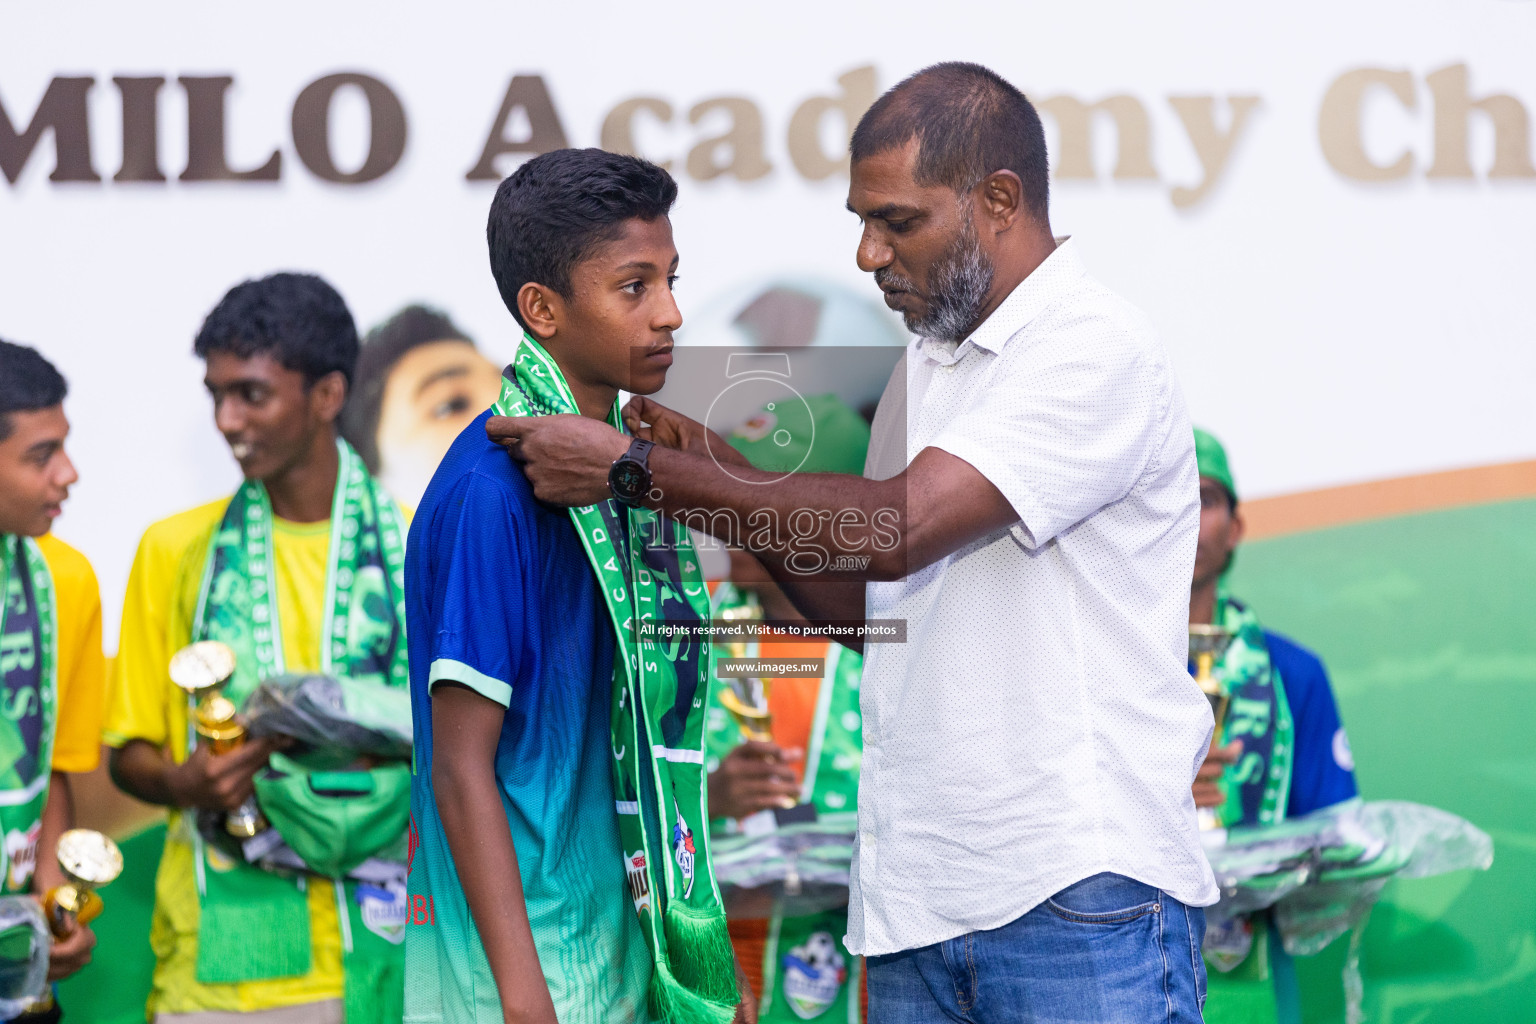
point(228, 416)
point(668, 316)
point(873, 253)
point(67, 474)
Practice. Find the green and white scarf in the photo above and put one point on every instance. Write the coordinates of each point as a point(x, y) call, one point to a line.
point(1258, 788)
point(29, 669)
point(254, 924)
point(647, 570)
point(1259, 784)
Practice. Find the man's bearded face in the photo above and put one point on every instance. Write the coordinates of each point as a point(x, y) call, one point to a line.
point(955, 291)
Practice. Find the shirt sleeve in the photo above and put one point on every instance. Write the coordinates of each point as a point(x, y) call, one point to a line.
point(1065, 431)
point(139, 687)
point(478, 611)
point(82, 666)
point(1322, 773)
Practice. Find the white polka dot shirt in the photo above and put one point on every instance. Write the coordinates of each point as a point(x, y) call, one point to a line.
point(1039, 725)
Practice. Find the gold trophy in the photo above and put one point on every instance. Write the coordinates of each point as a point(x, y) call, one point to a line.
point(746, 698)
point(89, 860)
point(203, 670)
point(1207, 643)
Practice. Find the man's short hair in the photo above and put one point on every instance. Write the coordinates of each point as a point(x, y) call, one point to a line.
point(384, 346)
point(28, 383)
point(298, 318)
point(558, 208)
point(969, 122)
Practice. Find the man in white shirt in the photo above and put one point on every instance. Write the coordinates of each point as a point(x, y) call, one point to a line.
point(1027, 844)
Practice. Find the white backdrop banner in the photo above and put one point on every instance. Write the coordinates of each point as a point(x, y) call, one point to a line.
point(1328, 209)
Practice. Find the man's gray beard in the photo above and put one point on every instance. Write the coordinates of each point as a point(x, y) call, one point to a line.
point(961, 279)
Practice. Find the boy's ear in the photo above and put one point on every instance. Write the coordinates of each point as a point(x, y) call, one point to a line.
point(328, 395)
point(541, 308)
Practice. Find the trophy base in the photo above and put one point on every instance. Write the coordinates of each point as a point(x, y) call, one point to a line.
point(242, 829)
point(44, 1011)
point(772, 819)
point(246, 821)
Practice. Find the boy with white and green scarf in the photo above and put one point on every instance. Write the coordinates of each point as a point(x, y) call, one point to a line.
point(300, 571)
point(51, 666)
point(1282, 752)
point(561, 845)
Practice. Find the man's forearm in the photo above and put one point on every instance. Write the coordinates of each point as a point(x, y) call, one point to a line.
point(821, 535)
point(139, 769)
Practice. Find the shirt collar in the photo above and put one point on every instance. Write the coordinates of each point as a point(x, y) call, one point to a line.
point(1037, 291)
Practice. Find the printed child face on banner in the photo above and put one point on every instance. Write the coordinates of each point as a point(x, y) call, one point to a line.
point(431, 394)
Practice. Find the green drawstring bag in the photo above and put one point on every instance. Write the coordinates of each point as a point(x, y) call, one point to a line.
point(337, 820)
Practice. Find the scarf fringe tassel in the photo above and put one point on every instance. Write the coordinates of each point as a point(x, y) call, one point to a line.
point(696, 982)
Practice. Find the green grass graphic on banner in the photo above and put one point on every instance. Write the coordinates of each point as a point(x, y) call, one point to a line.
point(1428, 626)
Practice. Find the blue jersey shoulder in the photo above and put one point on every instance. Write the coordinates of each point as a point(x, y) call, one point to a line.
point(1322, 772)
point(1289, 656)
point(474, 454)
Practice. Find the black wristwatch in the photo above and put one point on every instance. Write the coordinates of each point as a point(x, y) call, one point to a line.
point(629, 480)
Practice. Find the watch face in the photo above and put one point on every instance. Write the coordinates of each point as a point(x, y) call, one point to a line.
point(629, 480)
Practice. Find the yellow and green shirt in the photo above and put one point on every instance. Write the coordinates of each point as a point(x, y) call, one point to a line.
point(145, 705)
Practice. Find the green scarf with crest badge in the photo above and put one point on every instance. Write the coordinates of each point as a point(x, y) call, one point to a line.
point(646, 568)
point(28, 704)
point(254, 924)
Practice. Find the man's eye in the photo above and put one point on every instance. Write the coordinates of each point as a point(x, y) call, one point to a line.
point(900, 227)
point(633, 288)
point(672, 280)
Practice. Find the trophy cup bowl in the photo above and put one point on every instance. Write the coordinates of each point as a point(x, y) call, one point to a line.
point(89, 860)
point(746, 698)
point(750, 711)
point(203, 669)
point(1206, 646)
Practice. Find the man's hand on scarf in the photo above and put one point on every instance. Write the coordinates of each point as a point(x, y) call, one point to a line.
point(1207, 788)
point(671, 429)
point(566, 458)
point(753, 777)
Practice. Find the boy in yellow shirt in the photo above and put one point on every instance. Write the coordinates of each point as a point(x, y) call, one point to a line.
point(300, 571)
point(51, 668)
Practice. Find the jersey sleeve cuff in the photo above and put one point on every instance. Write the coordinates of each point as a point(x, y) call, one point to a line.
point(450, 671)
point(117, 739)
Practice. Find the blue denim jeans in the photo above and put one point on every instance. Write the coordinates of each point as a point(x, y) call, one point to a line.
point(1107, 950)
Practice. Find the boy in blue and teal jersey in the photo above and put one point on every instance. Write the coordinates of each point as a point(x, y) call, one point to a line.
point(527, 900)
